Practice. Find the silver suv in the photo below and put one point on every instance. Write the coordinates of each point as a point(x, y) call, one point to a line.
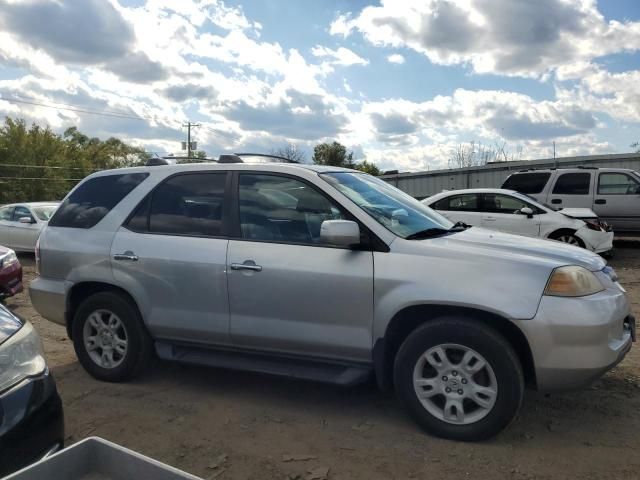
point(326, 274)
point(612, 193)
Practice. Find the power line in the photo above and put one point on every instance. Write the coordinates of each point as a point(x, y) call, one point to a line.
point(74, 109)
point(43, 178)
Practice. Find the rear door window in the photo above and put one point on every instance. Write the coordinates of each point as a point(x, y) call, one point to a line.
point(93, 199)
point(188, 204)
point(461, 203)
point(527, 182)
point(617, 184)
point(5, 213)
point(573, 184)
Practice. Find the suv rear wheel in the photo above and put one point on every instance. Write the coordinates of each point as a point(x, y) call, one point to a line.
point(459, 379)
point(109, 338)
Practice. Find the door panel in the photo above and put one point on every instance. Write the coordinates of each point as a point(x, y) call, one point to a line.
point(617, 200)
point(180, 281)
point(305, 300)
point(289, 292)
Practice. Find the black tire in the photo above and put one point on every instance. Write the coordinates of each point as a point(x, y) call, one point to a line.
point(139, 349)
point(485, 341)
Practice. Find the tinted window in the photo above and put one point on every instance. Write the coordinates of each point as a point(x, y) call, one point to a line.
point(189, 204)
point(20, 212)
point(464, 203)
point(617, 184)
point(527, 182)
point(497, 203)
point(282, 209)
point(572, 184)
point(5, 213)
point(93, 199)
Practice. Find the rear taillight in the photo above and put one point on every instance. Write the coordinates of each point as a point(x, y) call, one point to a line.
point(38, 257)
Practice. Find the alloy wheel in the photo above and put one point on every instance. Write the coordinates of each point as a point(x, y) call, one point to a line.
point(105, 339)
point(455, 384)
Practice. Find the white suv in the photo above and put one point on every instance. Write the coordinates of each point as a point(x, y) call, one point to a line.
point(327, 274)
point(612, 193)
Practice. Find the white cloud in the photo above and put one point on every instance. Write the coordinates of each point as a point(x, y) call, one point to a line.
point(395, 58)
point(513, 37)
point(341, 56)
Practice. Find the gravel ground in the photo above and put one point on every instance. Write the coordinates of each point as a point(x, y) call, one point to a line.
point(229, 425)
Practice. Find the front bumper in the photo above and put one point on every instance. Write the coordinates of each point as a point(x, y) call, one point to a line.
point(574, 341)
point(31, 423)
point(598, 242)
point(11, 280)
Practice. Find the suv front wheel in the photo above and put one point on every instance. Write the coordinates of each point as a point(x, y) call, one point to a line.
point(459, 379)
point(109, 337)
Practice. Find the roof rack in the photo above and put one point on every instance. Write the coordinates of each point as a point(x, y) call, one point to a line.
point(224, 158)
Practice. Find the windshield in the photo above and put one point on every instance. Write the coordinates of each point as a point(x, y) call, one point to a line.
point(390, 207)
point(45, 212)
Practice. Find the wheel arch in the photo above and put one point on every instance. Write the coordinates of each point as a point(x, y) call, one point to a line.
point(408, 319)
point(83, 290)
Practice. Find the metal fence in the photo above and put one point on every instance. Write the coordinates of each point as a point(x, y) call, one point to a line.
point(425, 184)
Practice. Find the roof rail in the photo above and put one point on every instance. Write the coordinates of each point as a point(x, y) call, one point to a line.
point(583, 167)
point(265, 155)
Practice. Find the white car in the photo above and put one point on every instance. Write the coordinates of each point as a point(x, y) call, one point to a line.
point(513, 212)
point(21, 223)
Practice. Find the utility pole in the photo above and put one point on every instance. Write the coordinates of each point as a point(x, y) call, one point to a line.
point(189, 125)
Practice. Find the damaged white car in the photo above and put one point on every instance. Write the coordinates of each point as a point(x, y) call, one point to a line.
point(513, 212)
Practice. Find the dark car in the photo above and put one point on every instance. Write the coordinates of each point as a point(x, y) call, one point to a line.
point(10, 273)
point(31, 418)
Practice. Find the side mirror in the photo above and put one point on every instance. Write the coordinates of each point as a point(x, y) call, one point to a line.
point(343, 233)
point(526, 211)
point(26, 220)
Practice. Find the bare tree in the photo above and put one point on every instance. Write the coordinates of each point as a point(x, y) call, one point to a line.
point(636, 145)
point(291, 152)
point(475, 154)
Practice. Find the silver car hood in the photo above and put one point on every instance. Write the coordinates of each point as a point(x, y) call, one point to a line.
point(479, 241)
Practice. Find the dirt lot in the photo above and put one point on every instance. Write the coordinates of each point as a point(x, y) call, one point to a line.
point(230, 425)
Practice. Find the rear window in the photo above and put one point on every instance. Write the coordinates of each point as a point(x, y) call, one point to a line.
point(572, 184)
point(465, 203)
point(527, 182)
point(91, 201)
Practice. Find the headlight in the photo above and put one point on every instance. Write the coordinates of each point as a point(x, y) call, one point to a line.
point(9, 259)
point(21, 356)
point(572, 281)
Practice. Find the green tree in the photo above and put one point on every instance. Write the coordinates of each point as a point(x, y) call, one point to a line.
point(332, 154)
point(335, 154)
point(38, 164)
point(368, 167)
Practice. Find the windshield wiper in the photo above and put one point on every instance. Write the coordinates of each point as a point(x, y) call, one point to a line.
point(436, 232)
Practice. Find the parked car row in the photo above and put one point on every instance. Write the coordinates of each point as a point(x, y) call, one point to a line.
point(314, 272)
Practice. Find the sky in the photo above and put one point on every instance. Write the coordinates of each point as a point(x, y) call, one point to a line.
point(401, 83)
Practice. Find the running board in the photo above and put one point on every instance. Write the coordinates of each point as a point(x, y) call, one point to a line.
point(294, 367)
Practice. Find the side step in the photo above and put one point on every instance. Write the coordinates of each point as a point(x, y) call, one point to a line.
point(288, 366)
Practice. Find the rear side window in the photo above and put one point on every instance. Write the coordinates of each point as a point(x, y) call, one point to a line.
point(188, 204)
point(93, 199)
point(527, 182)
point(463, 203)
point(572, 184)
point(617, 184)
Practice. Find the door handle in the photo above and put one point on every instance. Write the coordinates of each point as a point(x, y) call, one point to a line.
point(128, 255)
point(600, 201)
point(246, 266)
point(489, 219)
point(556, 200)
